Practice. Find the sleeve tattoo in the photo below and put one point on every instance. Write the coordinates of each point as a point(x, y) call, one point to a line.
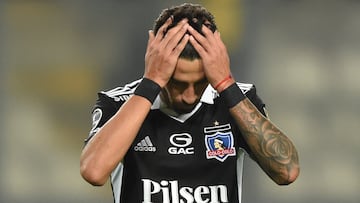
point(270, 147)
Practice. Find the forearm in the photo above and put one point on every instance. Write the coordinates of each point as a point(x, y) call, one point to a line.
point(272, 149)
point(110, 144)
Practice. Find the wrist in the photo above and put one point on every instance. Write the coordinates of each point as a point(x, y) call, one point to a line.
point(223, 84)
point(232, 95)
point(148, 89)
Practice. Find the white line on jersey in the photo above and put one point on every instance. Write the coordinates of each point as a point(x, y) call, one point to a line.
point(245, 87)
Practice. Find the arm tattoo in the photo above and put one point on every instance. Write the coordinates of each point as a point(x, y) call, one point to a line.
point(272, 149)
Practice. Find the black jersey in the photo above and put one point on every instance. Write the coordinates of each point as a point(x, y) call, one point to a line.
point(194, 157)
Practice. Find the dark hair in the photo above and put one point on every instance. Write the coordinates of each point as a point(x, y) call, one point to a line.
point(197, 16)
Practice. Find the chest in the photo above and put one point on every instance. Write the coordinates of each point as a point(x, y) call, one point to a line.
point(199, 144)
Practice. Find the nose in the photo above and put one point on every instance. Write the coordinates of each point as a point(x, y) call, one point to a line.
point(189, 95)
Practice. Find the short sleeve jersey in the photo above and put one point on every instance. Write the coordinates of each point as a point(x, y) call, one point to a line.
point(195, 157)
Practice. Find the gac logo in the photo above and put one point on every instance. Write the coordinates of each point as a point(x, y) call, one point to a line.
point(180, 144)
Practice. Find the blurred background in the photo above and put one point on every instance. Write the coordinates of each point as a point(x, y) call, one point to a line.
point(55, 55)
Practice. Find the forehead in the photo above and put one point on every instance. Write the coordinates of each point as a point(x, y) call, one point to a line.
point(188, 70)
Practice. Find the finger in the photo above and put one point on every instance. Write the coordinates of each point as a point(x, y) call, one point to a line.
point(161, 32)
point(176, 34)
point(209, 35)
point(151, 39)
point(174, 30)
point(180, 47)
point(200, 39)
point(219, 41)
point(200, 49)
point(207, 32)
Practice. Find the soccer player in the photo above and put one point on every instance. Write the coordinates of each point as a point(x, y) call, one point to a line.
point(158, 137)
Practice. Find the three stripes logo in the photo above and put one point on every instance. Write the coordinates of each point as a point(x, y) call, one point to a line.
point(145, 145)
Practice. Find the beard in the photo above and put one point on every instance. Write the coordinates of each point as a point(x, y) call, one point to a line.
point(177, 106)
point(182, 108)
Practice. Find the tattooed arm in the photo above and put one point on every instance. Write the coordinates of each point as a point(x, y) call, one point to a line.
point(272, 150)
point(270, 147)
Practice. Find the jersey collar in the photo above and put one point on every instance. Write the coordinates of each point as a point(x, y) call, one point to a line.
point(207, 97)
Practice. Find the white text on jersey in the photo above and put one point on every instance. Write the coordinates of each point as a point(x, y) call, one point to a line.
point(171, 193)
point(180, 144)
point(145, 145)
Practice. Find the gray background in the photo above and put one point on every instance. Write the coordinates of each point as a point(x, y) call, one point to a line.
point(303, 56)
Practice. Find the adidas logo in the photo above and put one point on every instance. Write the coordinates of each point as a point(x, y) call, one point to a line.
point(145, 145)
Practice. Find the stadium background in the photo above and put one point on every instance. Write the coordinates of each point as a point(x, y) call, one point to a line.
point(303, 55)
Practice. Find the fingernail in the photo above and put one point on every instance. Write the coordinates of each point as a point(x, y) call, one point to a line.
point(171, 18)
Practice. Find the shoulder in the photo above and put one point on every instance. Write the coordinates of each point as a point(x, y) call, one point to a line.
point(107, 104)
point(121, 93)
point(251, 93)
point(246, 87)
point(210, 94)
point(112, 99)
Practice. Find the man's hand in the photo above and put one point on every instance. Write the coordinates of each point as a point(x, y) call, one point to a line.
point(163, 51)
point(214, 57)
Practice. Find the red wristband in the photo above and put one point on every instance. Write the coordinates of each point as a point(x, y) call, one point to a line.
point(223, 81)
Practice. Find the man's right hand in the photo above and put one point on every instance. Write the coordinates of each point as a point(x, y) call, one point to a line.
point(163, 51)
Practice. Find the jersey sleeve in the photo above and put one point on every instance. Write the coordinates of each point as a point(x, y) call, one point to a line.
point(256, 100)
point(107, 104)
point(103, 110)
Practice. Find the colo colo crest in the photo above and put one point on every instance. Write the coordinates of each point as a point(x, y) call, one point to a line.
point(219, 142)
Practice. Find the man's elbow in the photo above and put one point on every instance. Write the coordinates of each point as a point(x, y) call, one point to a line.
point(288, 178)
point(92, 176)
